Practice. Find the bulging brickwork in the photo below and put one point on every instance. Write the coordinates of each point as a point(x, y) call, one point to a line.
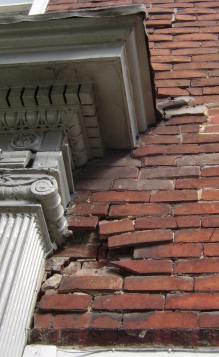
point(143, 266)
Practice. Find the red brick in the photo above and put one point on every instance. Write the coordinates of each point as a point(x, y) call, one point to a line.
point(212, 249)
point(207, 283)
point(195, 66)
point(116, 197)
point(82, 196)
point(173, 83)
point(129, 302)
point(211, 90)
point(63, 302)
point(169, 251)
point(151, 150)
point(172, 92)
point(210, 221)
point(158, 283)
point(159, 161)
point(196, 37)
point(210, 171)
point(200, 138)
point(188, 221)
point(210, 195)
point(193, 235)
point(197, 208)
point(209, 320)
point(146, 266)
point(174, 196)
point(185, 120)
point(205, 82)
point(171, 59)
point(77, 222)
point(211, 128)
point(159, 38)
point(135, 238)
point(158, 23)
point(159, 52)
point(179, 44)
point(86, 209)
point(142, 185)
point(184, 17)
point(202, 159)
point(161, 320)
point(155, 222)
point(161, 139)
point(192, 302)
point(190, 128)
point(180, 74)
point(113, 227)
point(193, 51)
point(161, 66)
point(139, 209)
point(205, 99)
point(105, 321)
point(197, 183)
point(197, 266)
point(72, 321)
point(169, 172)
point(195, 91)
point(94, 185)
point(90, 282)
point(80, 251)
point(43, 320)
point(166, 130)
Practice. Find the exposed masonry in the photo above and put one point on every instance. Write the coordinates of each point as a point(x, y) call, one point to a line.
point(144, 264)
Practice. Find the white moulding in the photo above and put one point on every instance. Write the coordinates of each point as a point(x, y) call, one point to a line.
point(53, 351)
point(107, 48)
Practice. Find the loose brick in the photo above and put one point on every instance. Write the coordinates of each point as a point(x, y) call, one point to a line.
point(169, 251)
point(172, 92)
point(161, 320)
point(192, 302)
point(141, 185)
point(169, 172)
point(158, 283)
point(207, 283)
point(197, 266)
point(137, 209)
point(135, 238)
point(212, 249)
point(77, 222)
point(90, 282)
point(197, 208)
point(146, 266)
point(155, 222)
point(209, 320)
point(193, 235)
point(188, 221)
point(79, 251)
point(128, 302)
point(63, 302)
point(174, 196)
point(113, 227)
point(86, 209)
point(185, 120)
point(120, 197)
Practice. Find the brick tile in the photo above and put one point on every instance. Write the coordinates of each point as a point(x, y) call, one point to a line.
point(193, 235)
point(128, 302)
point(205, 99)
point(192, 302)
point(197, 266)
point(142, 185)
point(169, 172)
point(63, 302)
point(158, 283)
point(170, 251)
point(77, 222)
point(139, 209)
point(207, 283)
point(90, 282)
point(155, 222)
point(119, 197)
point(174, 196)
point(113, 227)
point(145, 266)
point(161, 320)
point(197, 208)
point(161, 66)
point(135, 238)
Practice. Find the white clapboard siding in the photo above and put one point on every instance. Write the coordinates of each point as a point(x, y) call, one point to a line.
point(21, 263)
